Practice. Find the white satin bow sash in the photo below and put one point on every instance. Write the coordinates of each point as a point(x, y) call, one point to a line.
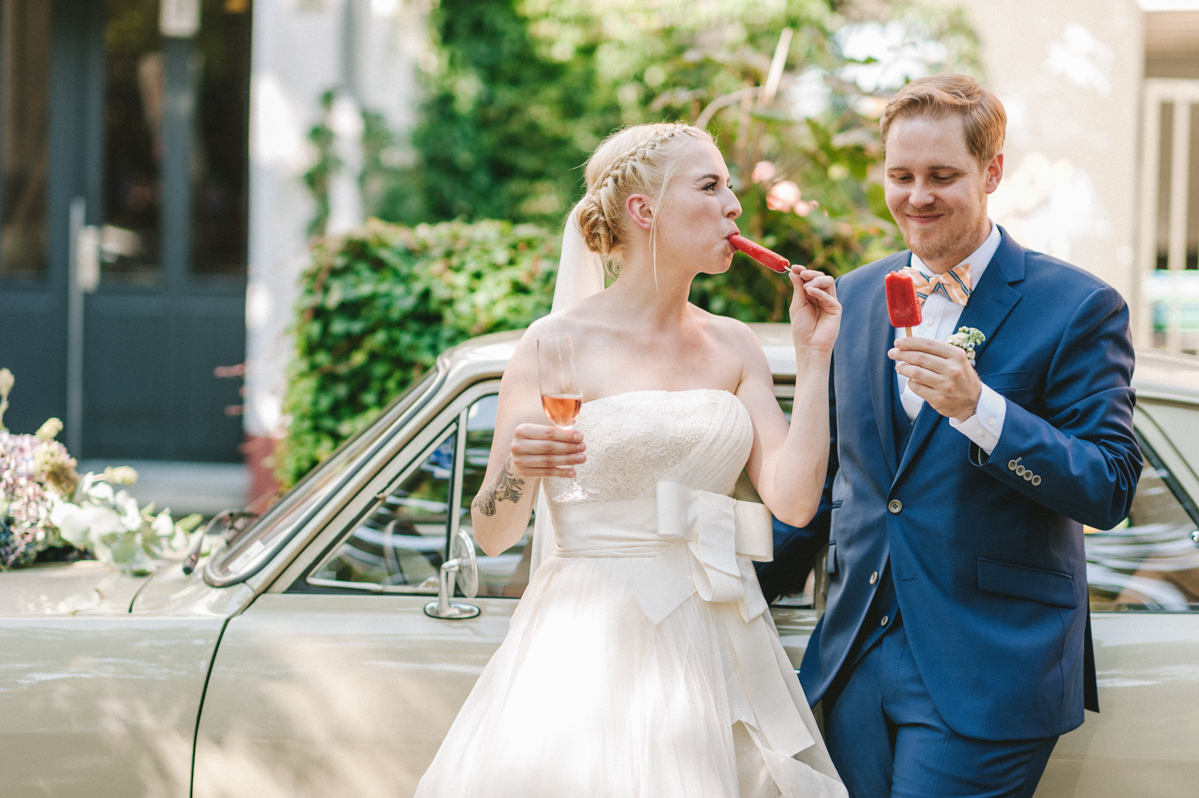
point(715, 530)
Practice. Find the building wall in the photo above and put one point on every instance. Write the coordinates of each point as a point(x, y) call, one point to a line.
point(1069, 74)
point(301, 49)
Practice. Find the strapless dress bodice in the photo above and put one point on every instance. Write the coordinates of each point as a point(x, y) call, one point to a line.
point(700, 438)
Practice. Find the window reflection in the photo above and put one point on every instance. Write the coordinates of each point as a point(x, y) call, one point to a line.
point(217, 81)
point(220, 157)
point(24, 135)
point(401, 544)
point(1149, 562)
point(134, 95)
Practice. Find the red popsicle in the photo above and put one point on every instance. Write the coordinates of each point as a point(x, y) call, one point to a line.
point(771, 260)
point(902, 303)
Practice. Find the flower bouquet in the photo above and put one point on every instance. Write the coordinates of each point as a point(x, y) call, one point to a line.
point(45, 503)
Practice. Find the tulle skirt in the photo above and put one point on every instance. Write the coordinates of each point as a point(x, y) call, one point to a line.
point(588, 697)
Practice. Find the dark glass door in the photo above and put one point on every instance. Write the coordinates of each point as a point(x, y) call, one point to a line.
point(32, 275)
point(148, 184)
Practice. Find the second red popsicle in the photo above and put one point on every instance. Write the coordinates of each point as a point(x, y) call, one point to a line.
point(903, 305)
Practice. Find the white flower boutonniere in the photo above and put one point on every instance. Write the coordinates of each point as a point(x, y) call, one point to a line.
point(967, 338)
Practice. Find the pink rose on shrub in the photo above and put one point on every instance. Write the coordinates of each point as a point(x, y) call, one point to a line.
point(763, 172)
point(783, 196)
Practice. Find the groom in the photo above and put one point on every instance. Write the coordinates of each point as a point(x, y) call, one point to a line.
point(955, 647)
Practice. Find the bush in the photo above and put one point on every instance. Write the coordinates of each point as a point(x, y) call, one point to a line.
point(521, 91)
point(379, 304)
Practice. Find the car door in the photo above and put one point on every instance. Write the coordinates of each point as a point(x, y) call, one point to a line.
point(1144, 583)
point(337, 682)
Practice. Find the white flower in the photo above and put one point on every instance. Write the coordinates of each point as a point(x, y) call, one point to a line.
point(120, 475)
point(967, 338)
point(49, 431)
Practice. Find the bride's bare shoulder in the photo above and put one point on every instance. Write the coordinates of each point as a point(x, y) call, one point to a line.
point(561, 323)
point(730, 332)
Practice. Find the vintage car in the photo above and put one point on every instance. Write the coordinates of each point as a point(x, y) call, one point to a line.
point(304, 656)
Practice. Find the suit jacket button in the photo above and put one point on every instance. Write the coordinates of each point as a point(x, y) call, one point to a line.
point(1028, 475)
point(883, 622)
point(1021, 471)
point(894, 506)
point(1036, 480)
point(874, 577)
point(1011, 465)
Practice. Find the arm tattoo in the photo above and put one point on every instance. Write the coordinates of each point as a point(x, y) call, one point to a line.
point(506, 487)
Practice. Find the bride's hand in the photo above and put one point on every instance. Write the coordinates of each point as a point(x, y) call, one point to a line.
point(815, 311)
point(542, 450)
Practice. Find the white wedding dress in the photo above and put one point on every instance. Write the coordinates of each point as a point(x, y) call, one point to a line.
point(642, 661)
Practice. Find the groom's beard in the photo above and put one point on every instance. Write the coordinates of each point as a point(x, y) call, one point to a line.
point(945, 237)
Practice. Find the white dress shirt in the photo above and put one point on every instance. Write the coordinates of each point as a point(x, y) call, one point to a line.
point(939, 320)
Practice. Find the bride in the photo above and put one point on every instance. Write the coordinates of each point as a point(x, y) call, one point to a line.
point(642, 661)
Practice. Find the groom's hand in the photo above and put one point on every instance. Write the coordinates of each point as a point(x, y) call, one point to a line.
point(940, 374)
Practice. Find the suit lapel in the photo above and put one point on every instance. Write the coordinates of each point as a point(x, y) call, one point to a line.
point(880, 336)
point(989, 305)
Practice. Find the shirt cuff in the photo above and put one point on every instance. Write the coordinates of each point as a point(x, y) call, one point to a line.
point(985, 426)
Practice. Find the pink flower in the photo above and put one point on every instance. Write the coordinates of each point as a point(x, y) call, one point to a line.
point(763, 172)
point(803, 208)
point(783, 196)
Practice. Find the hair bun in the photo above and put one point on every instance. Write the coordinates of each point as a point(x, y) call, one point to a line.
point(594, 227)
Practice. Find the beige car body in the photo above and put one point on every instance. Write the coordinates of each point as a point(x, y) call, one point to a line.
point(110, 687)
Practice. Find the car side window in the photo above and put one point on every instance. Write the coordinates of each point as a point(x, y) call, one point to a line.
point(1149, 562)
point(401, 543)
point(507, 573)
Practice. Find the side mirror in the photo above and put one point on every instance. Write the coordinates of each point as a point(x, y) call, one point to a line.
point(460, 567)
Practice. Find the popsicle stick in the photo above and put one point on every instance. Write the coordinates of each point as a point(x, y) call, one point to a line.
point(909, 329)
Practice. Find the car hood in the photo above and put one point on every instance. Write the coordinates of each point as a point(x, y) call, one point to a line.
point(89, 587)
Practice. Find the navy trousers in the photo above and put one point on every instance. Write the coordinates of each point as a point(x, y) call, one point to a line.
point(888, 740)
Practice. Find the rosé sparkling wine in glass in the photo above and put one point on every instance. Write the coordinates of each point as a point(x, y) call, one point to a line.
point(561, 396)
point(562, 409)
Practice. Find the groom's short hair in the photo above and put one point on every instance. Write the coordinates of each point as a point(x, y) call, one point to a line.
point(939, 96)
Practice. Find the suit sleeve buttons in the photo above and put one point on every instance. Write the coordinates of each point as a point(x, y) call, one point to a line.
point(894, 506)
point(1036, 480)
point(1012, 465)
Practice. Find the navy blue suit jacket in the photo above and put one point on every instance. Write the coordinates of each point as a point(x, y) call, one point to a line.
point(989, 568)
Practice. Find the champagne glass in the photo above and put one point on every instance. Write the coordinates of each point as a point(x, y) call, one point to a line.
point(561, 395)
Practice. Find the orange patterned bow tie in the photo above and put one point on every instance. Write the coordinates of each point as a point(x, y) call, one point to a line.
point(954, 285)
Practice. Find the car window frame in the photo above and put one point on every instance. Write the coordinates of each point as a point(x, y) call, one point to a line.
point(451, 417)
point(407, 405)
point(1151, 436)
point(1153, 441)
point(380, 497)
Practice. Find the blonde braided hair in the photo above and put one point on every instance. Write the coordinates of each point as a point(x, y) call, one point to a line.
point(639, 159)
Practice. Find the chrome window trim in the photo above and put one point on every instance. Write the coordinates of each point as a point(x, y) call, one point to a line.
point(379, 498)
point(336, 492)
point(356, 507)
